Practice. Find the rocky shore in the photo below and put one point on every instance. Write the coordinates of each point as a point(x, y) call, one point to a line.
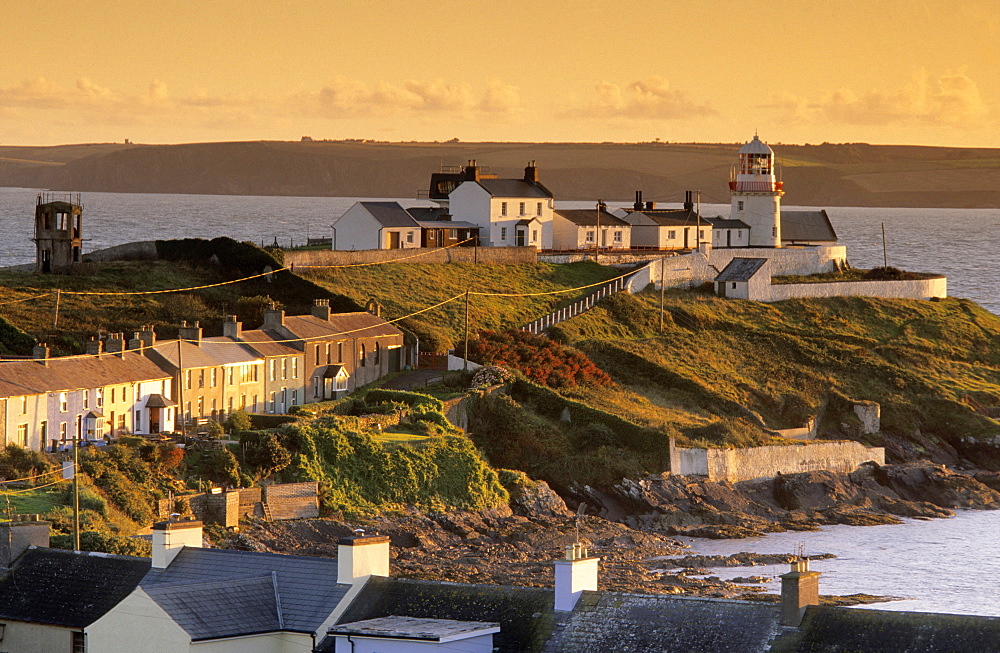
point(633, 531)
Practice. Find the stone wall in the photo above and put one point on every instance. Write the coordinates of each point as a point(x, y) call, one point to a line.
point(484, 255)
point(766, 462)
point(292, 500)
point(910, 289)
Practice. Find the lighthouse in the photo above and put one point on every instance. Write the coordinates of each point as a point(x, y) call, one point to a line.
point(757, 194)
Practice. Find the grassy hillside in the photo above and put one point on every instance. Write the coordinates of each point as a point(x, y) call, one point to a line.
point(405, 288)
point(852, 174)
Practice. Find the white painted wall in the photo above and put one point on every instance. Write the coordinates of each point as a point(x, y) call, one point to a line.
point(761, 212)
point(473, 203)
point(915, 289)
point(355, 563)
point(22, 637)
point(357, 229)
point(137, 625)
point(573, 577)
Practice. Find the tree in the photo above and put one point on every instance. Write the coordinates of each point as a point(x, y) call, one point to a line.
point(267, 455)
point(238, 421)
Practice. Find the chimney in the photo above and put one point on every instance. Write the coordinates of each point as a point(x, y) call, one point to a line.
point(41, 353)
point(94, 347)
point(20, 533)
point(274, 318)
point(231, 328)
point(799, 589)
point(148, 335)
point(638, 201)
point(169, 537)
point(472, 171)
point(115, 344)
point(135, 342)
point(575, 574)
point(190, 333)
point(321, 309)
point(362, 556)
point(688, 201)
point(650, 206)
point(531, 173)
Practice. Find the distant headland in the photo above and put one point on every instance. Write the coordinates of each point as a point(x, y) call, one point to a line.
point(848, 174)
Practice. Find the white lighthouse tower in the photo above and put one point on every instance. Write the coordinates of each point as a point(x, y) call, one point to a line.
point(757, 194)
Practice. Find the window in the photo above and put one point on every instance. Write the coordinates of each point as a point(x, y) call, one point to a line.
point(232, 375)
point(409, 236)
point(187, 382)
point(22, 435)
point(201, 406)
point(274, 403)
point(24, 405)
point(254, 405)
point(317, 354)
point(187, 411)
point(270, 369)
point(62, 430)
point(295, 397)
point(63, 402)
point(43, 431)
point(327, 354)
point(378, 353)
point(618, 236)
point(739, 205)
point(112, 395)
point(121, 423)
point(503, 208)
point(79, 643)
point(538, 209)
point(138, 421)
point(672, 234)
point(590, 236)
point(503, 233)
point(341, 383)
point(100, 396)
point(215, 408)
point(230, 405)
point(86, 400)
point(201, 378)
point(734, 286)
point(774, 231)
point(701, 233)
point(340, 352)
point(284, 368)
point(361, 358)
point(534, 235)
point(243, 402)
point(295, 368)
point(522, 208)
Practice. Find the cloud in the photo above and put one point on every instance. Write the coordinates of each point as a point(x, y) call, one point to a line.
point(649, 99)
point(952, 99)
point(348, 98)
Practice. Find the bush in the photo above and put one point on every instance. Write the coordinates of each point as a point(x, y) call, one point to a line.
point(216, 465)
point(26, 463)
point(238, 421)
point(105, 543)
point(538, 358)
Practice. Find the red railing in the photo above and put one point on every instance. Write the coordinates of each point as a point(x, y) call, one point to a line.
point(756, 186)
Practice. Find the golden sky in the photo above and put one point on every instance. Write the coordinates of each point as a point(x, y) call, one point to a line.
point(798, 71)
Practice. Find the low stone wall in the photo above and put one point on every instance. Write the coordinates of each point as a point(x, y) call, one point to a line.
point(909, 289)
point(485, 255)
point(292, 500)
point(767, 462)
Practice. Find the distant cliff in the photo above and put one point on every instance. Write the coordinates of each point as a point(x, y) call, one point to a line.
point(817, 175)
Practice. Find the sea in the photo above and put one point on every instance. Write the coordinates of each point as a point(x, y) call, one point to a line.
point(948, 565)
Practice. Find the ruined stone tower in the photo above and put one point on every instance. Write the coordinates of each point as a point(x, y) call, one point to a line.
point(58, 232)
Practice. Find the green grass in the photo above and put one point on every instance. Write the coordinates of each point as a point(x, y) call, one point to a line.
point(38, 501)
point(405, 288)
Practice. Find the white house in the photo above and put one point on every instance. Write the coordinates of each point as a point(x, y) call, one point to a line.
point(744, 278)
point(510, 212)
point(576, 229)
point(376, 225)
point(728, 233)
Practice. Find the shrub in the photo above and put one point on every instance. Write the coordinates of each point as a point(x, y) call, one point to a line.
point(105, 543)
point(538, 358)
point(238, 421)
point(26, 463)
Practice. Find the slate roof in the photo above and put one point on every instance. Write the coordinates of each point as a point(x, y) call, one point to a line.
point(741, 269)
point(428, 213)
point(434, 630)
point(307, 591)
point(725, 223)
point(340, 325)
point(807, 226)
point(843, 630)
point(514, 188)
point(211, 352)
point(588, 218)
point(609, 621)
point(221, 608)
point(63, 588)
point(76, 372)
point(389, 214)
point(447, 224)
point(268, 343)
point(524, 613)
point(668, 217)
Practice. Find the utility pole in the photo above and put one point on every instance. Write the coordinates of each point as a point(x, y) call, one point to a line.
point(55, 319)
point(180, 388)
point(698, 235)
point(885, 253)
point(76, 492)
point(597, 240)
point(465, 354)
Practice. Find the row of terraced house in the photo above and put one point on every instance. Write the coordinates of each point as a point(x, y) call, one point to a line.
point(145, 386)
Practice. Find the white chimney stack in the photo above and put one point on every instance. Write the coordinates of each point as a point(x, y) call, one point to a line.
point(362, 556)
point(169, 537)
point(574, 575)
